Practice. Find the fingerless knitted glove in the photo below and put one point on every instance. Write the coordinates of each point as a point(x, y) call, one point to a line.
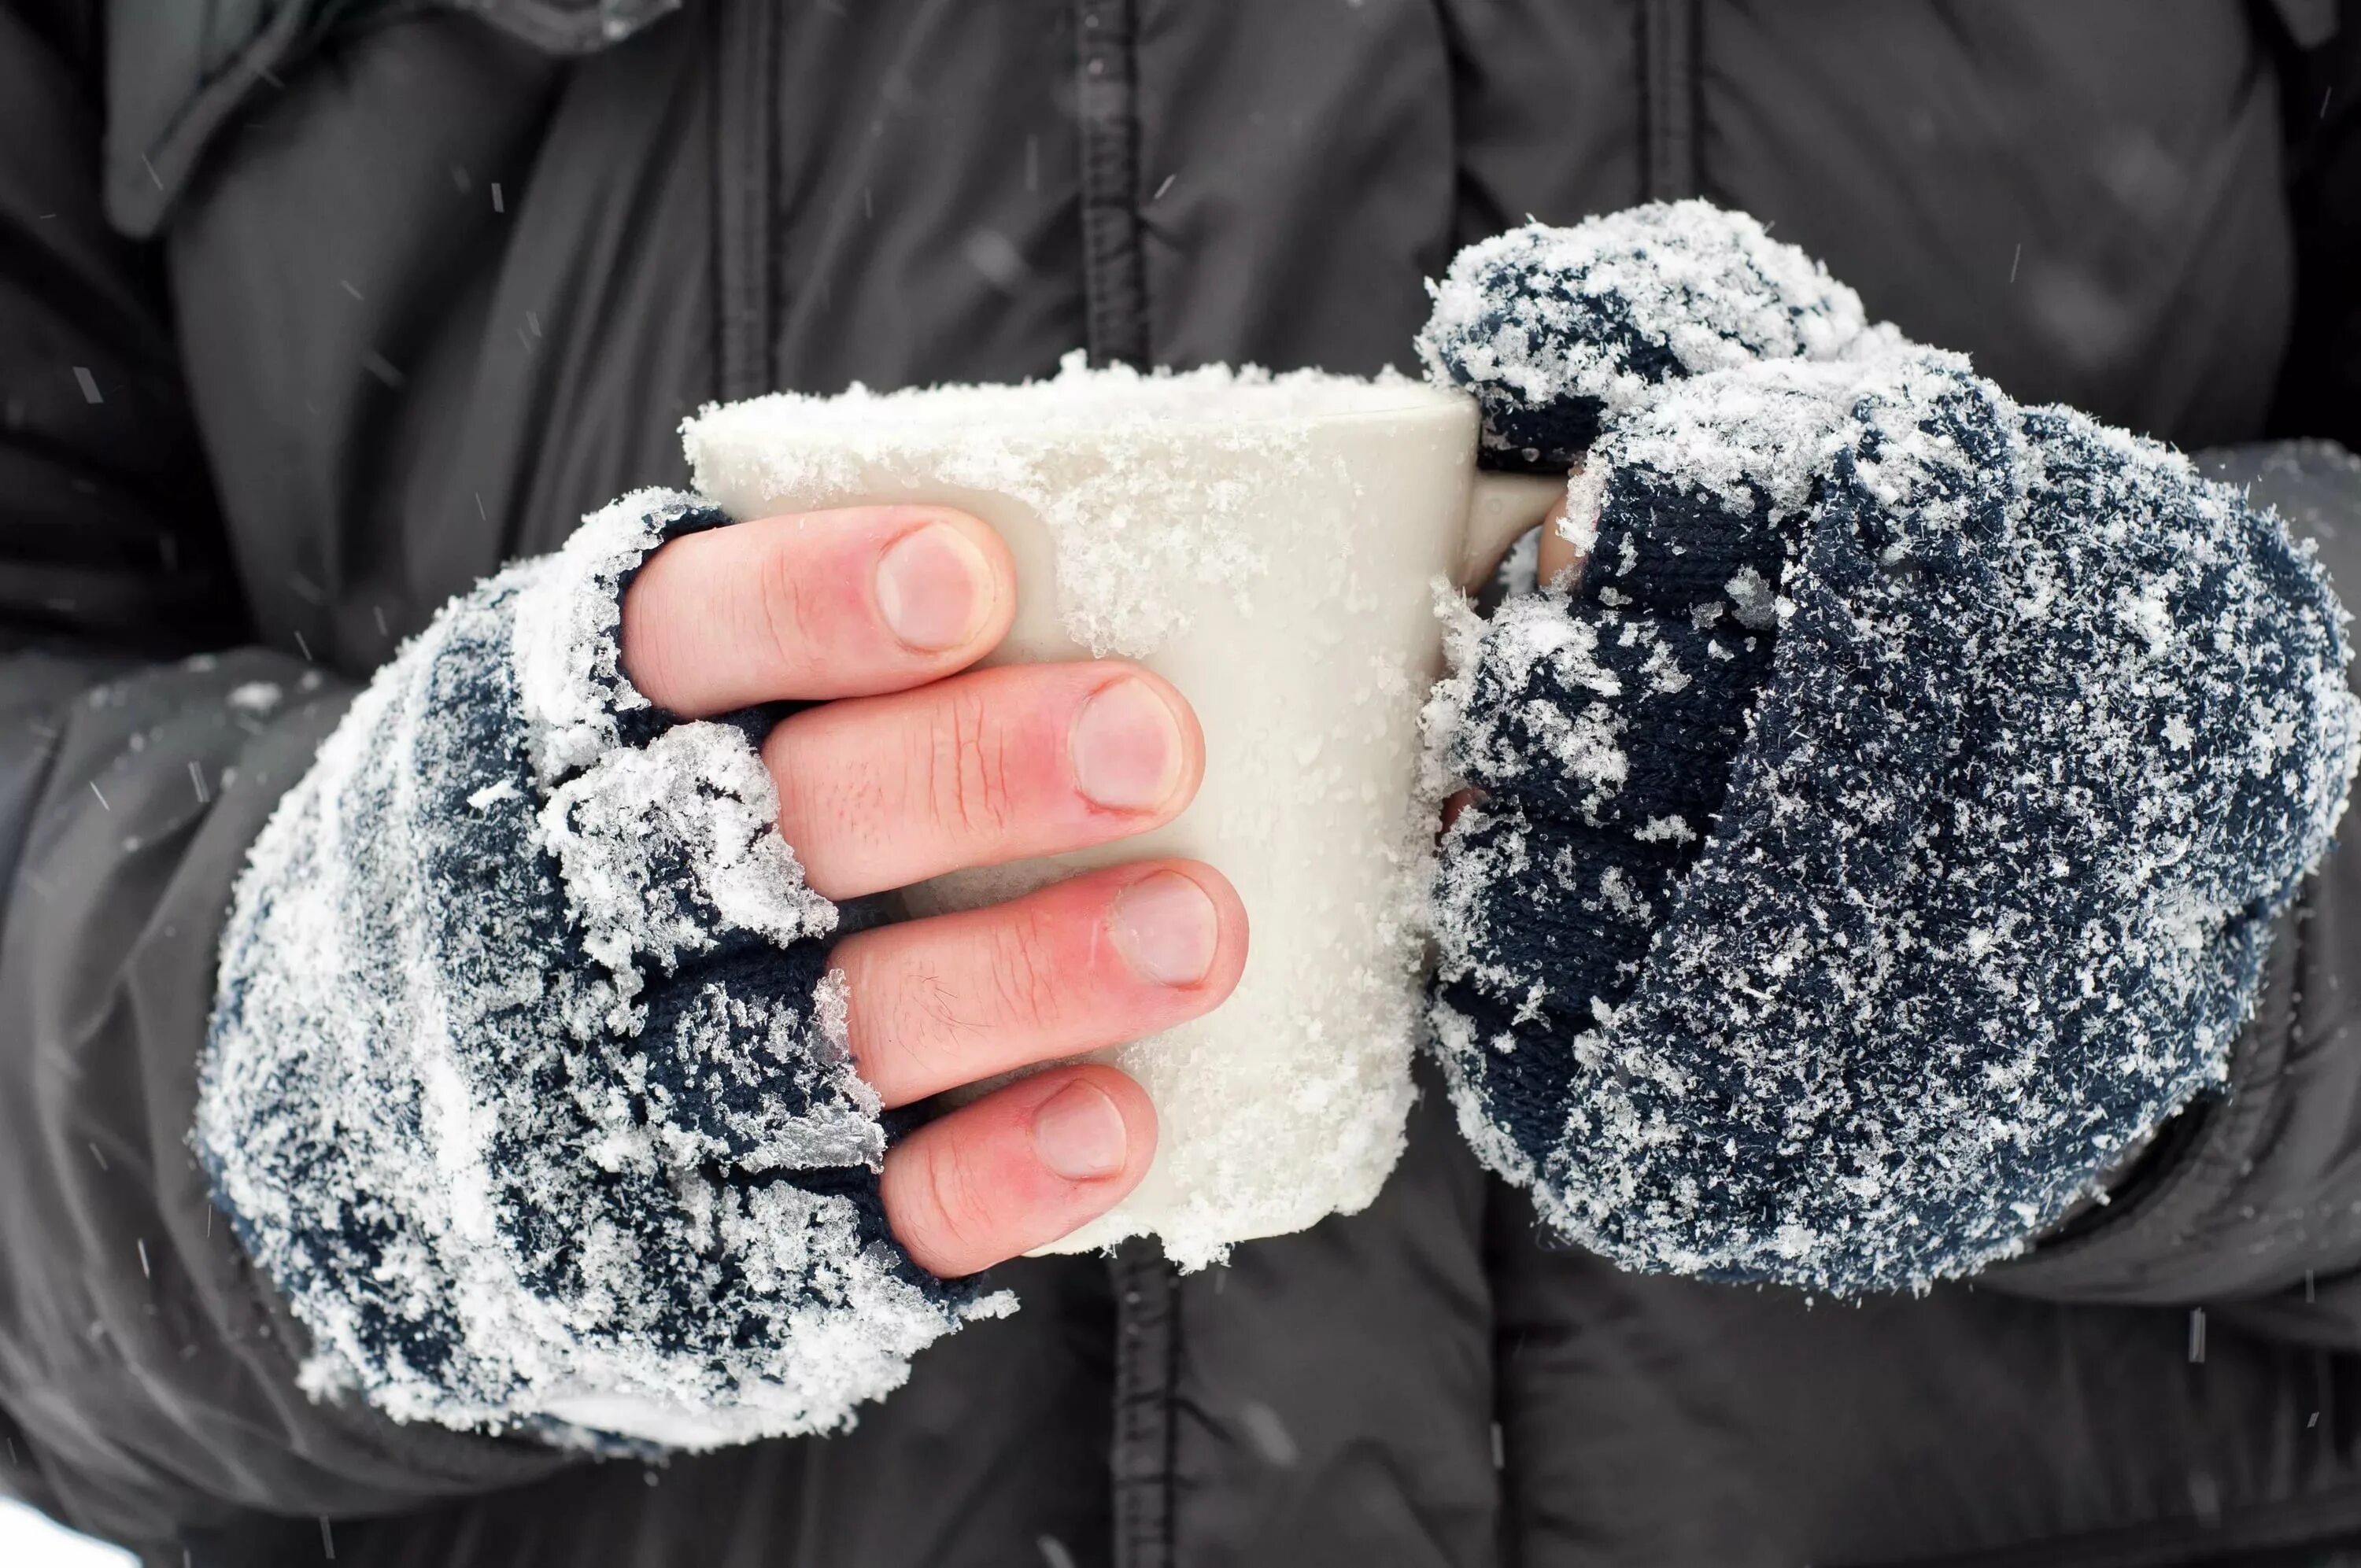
point(1557, 331)
point(1885, 835)
point(527, 1083)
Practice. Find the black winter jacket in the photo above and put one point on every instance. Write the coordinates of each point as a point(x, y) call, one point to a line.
point(428, 286)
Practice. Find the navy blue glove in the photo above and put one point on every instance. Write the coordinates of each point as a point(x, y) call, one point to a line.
point(1882, 838)
point(527, 1082)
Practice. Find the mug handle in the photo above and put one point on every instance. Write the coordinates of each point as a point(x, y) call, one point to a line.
point(1500, 509)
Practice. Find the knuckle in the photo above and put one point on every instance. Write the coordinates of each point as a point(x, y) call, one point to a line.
point(837, 811)
point(779, 598)
point(932, 1031)
point(933, 1007)
point(968, 767)
point(1024, 977)
point(959, 1216)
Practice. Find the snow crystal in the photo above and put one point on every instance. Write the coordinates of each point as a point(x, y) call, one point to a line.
point(255, 697)
point(517, 1040)
point(1755, 603)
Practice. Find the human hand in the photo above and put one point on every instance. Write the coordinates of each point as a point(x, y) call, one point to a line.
point(1559, 553)
point(916, 765)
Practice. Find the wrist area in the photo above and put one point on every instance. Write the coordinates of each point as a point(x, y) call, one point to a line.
point(527, 1081)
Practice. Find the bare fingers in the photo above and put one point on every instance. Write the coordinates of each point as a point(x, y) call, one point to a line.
point(918, 770)
point(815, 605)
point(1092, 961)
point(986, 767)
point(1104, 958)
point(1019, 1169)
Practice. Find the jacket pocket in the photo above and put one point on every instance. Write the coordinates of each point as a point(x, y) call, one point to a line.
point(177, 72)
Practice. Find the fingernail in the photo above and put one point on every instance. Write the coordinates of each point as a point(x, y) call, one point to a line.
point(1078, 1133)
point(1167, 928)
point(1126, 746)
point(934, 588)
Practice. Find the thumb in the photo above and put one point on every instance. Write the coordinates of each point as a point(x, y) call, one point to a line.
point(1557, 552)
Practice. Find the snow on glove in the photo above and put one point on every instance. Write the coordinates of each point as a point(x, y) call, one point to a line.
point(527, 1081)
point(1843, 919)
point(1555, 330)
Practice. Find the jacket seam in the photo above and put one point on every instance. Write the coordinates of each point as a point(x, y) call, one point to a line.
point(1114, 287)
point(1669, 91)
point(140, 200)
point(2184, 1542)
point(556, 28)
point(16, 837)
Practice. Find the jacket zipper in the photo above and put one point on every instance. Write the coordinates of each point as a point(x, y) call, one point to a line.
point(745, 324)
point(1115, 280)
point(1115, 292)
point(1147, 1367)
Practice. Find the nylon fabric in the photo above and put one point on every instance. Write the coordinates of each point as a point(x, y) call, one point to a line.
point(409, 291)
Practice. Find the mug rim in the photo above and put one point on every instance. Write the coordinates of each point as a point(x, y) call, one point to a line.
point(1117, 407)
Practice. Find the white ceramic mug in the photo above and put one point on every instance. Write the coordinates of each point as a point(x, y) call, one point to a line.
point(1269, 546)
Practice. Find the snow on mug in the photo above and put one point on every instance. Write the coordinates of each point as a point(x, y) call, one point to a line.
point(1268, 544)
